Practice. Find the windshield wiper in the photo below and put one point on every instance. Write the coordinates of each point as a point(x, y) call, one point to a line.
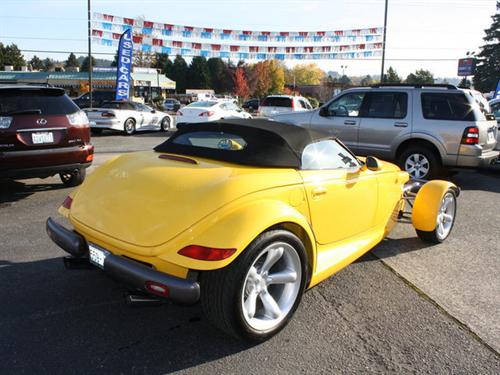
point(25, 112)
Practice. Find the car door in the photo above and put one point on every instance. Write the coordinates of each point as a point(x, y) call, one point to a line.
point(385, 119)
point(340, 118)
point(342, 197)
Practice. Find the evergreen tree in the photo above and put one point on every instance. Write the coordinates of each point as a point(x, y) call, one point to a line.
point(465, 83)
point(420, 77)
point(12, 56)
point(488, 66)
point(366, 81)
point(392, 76)
point(85, 64)
point(179, 73)
point(48, 64)
point(114, 63)
point(218, 75)
point(72, 61)
point(198, 76)
point(2, 48)
point(36, 63)
point(163, 63)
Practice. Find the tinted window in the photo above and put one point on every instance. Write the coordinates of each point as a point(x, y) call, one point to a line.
point(446, 107)
point(214, 140)
point(276, 101)
point(46, 101)
point(385, 105)
point(347, 105)
point(327, 154)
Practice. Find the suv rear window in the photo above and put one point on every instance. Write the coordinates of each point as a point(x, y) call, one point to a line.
point(441, 106)
point(46, 101)
point(276, 102)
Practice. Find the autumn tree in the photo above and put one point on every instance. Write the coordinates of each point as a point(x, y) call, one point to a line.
point(276, 75)
point(488, 66)
point(240, 83)
point(304, 74)
point(261, 79)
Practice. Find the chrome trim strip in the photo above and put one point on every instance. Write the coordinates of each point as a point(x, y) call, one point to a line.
point(39, 129)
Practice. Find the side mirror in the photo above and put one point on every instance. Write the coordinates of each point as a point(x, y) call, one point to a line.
point(372, 163)
point(323, 112)
point(153, 111)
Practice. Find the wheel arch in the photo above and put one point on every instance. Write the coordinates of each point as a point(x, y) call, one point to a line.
point(425, 141)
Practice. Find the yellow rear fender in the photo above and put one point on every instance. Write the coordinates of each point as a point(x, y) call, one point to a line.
point(427, 203)
point(236, 228)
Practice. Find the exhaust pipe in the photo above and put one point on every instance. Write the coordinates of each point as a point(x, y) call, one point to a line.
point(138, 299)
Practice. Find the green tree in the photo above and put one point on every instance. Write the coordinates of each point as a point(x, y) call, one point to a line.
point(198, 75)
point(85, 64)
point(392, 76)
point(2, 48)
point(179, 73)
point(12, 56)
point(488, 63)
point(163, 63)
point(420, 77)
point(366, 80)
point(72, 61)
point(220, 75)
point(36, 63)
point(464, 83)
point(114, 63)
point(345, 81)
point(48, 64)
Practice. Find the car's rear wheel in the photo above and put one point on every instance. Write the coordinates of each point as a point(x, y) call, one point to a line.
point(256, 295)
point(165, 124)
point(420, 163)
point(129, 126)
point(444, 221)
point(73, 178)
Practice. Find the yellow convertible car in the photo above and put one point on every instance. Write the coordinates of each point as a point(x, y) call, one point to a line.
point(243, 216)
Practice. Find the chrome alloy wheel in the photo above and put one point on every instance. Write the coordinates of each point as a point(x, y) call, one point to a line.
point(417, 165)
point(446, 216)
point(271, 286)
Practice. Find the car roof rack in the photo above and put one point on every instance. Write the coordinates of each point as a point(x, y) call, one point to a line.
point(24, 83)
point(418, 86)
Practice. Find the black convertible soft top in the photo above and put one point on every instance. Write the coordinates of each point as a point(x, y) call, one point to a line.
point(269, 143)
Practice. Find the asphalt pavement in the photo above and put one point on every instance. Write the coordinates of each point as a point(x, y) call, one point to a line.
point(404, 308)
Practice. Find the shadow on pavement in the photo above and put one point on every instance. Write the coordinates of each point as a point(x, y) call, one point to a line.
point(13, 191)
point(483, 179)
point(76, 321)
point(391, 247)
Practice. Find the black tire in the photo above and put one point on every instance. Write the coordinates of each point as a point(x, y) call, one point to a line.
point(165, 124)
point(221, 290)
point(129, 126)
point(434, 237)
point(430, 159)
point(96, 131)
point(73, 178)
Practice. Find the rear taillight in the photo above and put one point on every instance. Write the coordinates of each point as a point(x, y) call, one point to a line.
point(293, 104)
point(67, 202)
point(156, 288)
point(89, 157)
point(5, 122)
point(78, 119)
point(206, 253)
point(471, 136)
point(107, 114)
point(179, 113)
point(206, 114)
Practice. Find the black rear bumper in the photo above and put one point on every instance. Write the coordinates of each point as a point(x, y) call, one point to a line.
point(130, 273)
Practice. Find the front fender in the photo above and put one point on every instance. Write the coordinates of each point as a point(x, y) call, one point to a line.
point(427, 203)
point(236, 228)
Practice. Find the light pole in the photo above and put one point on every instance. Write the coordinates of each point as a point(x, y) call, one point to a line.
point(383, 42)
point(89, 23)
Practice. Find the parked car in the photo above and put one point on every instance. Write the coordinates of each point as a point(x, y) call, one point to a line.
point(244, 216)
point(208, 111)
point(127, 117)
point(98, 98)
point(423, 128)
point(171, 105)
point(251, 105)
point(495, 108)
point(276, 104)
point(43, 133)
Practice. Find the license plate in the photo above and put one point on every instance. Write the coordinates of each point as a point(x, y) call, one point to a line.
point(97, 255)
point(42, 138)
point(491, 136)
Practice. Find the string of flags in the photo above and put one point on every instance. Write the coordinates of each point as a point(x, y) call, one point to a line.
point(153, 37)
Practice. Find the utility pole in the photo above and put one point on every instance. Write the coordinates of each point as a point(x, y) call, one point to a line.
point(89, 23)
point(383, 43)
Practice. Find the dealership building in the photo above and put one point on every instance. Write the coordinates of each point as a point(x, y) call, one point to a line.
point(145, 82)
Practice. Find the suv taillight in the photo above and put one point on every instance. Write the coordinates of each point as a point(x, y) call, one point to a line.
point(471, 136)
point(5, 122)
point(78, 119)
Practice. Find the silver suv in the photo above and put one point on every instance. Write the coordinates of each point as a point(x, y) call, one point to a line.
point(423, 128)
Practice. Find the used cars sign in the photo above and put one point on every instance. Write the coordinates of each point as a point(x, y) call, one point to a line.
point(124, 66)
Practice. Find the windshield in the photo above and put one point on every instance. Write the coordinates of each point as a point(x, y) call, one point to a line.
point(202, 104)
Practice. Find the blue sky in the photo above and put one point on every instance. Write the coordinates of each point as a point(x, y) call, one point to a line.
point(436, 31)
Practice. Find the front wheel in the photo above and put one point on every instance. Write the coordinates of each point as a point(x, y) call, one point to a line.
point(73, 178)
point(255, 296)
point(444, 221)
point(165, 124)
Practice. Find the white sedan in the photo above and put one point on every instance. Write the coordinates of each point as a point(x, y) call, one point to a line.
point(127, 117)
point(213, 110)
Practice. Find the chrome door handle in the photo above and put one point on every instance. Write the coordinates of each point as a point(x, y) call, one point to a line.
point(349, 122)
point(319, 191)
point(400, 124)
